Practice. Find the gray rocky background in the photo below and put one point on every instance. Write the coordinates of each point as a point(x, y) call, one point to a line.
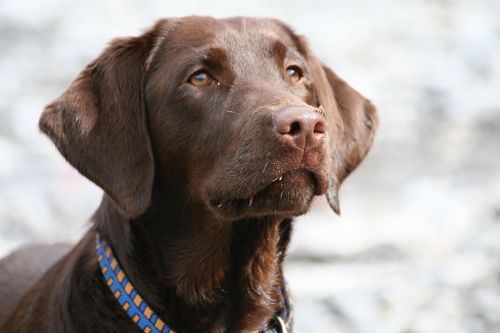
point(417, 248)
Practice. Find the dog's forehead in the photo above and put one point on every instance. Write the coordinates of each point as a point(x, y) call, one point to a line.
point(238, 37)
point(254, 31)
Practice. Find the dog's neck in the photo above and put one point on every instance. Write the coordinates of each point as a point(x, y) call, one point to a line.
point(197, 271)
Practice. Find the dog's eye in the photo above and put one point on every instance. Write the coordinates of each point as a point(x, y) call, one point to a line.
point(294, 74)
point(200, 79)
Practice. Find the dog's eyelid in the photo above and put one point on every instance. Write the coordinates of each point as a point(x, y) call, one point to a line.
point(202, 78)
point(295, 67)
point(294, 73)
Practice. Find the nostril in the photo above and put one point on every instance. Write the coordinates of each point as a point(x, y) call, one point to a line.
point(294, 128)
point(300, 127)
point(320, 127)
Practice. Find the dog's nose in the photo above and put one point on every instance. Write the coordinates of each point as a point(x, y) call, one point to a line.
point(302, 127)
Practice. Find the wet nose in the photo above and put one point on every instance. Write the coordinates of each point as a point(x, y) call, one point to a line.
point(301, 127)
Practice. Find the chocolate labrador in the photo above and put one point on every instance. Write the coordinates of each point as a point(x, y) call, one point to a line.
point(207, 136)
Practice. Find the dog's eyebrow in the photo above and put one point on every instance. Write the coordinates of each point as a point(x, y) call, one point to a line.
point(279, 50)
point(214, 58)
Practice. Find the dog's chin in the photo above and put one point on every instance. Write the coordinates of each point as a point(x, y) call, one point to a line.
point(289, 195)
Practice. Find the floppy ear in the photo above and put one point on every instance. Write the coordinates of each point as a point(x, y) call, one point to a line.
point(352, 121)
point(99, 123)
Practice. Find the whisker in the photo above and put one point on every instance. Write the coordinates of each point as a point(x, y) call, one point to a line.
point(265, 166)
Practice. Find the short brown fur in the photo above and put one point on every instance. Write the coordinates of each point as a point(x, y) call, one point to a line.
point(191, 205)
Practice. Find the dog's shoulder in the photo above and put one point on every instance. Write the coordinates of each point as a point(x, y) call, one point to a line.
point(21, 269)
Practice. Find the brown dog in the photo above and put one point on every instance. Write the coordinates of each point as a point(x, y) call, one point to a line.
point(207, 136)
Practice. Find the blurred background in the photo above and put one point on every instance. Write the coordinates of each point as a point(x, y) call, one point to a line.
point(417, 248)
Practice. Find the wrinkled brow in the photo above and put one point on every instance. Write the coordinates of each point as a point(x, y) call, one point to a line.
point(279, 50)
point(214, 58)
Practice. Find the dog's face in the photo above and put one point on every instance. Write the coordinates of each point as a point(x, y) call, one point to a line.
point(238, 111)
point(216, 92)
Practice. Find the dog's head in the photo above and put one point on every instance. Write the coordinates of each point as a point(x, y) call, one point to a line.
point(238, 114)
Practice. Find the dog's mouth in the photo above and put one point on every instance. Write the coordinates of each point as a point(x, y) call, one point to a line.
point(288, 194)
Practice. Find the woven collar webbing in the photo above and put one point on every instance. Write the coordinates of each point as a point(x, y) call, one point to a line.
point(139, 310)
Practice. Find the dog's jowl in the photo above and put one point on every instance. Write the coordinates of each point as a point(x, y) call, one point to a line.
point(207, 137)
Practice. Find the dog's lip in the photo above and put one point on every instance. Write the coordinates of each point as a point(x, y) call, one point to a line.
point(320, 187)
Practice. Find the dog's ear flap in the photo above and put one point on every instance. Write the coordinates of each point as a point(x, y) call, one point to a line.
point(99, 124)
point(352, 121)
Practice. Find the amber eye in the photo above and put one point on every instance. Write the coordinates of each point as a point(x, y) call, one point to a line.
point(200, 79)
point(294, 74)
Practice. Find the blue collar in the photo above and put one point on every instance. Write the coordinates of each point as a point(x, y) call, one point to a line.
point(142, 314)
